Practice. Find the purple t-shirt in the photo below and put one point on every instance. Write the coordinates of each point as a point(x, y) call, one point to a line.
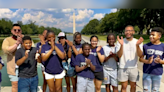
point(73, 55)
point(87, 73)
point(99, 66)
point(150, 49)
point(53, 64)
point(1, 62)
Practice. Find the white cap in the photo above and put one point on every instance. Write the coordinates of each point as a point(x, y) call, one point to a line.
point(61, 34)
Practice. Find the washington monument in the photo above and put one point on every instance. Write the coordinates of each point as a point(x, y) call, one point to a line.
point(74, 24)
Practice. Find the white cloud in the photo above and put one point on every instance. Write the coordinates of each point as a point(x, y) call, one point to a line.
point(98, 16)
point(7, 13)
point(113, 10)
point(82, 14)
point(67, 10)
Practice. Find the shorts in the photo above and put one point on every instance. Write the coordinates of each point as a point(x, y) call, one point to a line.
point(110, 77)
point(43, 68)
point(85, 84)
point(71, 71)
point(151, 82)
point(125, 74)
point(55, 76)
point(99, 75)
point(14, 77)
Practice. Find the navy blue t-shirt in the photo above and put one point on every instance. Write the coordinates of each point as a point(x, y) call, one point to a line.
point(73, 55)
point(99, 66)
point(1, 62)
point(53, 63)
point(150, 49)
point(87, 73)
point(38, 46)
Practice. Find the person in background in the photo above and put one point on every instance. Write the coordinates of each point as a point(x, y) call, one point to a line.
point(98, 52)
point(26, 58)
point(152, 68)
point(53, 54)
point(39, 47)
point(1, 65)
point(85, 66)
point(110, 64)
point(128, 50)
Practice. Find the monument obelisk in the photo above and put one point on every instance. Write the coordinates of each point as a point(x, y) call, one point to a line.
point(74, 24)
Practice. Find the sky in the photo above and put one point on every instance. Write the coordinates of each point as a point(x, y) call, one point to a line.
point(55, 17)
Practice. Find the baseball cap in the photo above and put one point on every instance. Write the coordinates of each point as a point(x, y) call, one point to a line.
point(61, 34)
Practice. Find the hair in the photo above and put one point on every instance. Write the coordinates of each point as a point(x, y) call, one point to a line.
point(110, 35)
point(16, 25)
point(157, 29)
point(84, 44)
point(129, 26)
point(74, 37)
point(93, 36)
point(26, 38)
point(48, 32)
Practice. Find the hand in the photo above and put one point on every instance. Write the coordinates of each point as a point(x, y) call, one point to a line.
point(69, 43)
point(98, 48)
point(52, 44)
point(88, 61)
point(26, 53)
point(157, 60)
point(42, 39)
point(150, 60)
point(121, 41)
point(140, 40)
point(19, 40)
point(37, 55)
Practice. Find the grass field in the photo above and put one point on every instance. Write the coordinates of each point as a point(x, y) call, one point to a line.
point(145, 37)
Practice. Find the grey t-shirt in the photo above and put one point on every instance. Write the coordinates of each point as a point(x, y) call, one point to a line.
point(111, 63)
point(28, 68)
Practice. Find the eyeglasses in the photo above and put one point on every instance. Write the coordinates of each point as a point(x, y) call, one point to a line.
point(17, 30)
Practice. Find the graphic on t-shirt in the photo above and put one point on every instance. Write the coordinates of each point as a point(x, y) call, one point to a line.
point(83, 64)
point(95, 54)
point(54, 52)
point(156, 52)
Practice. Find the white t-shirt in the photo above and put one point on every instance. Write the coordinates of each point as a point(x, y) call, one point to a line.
point(129, 57)
point(111, 63)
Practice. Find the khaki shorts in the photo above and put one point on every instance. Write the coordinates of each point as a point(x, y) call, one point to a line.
point(125, 74)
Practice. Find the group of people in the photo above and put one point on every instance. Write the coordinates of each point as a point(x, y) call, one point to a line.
point(88, 66)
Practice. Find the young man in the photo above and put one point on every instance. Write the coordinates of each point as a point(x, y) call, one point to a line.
point(26, 58)
point(152, 67)
point(128, 50)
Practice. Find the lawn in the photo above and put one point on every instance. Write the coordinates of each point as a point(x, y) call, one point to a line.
point(146, 37)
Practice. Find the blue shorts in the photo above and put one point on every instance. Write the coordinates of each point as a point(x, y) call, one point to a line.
point(14, 77)
point(152, 81)
point(71, 71)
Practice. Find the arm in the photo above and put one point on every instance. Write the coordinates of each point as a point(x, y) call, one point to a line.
point(45, 56)
point(149, 61)
point(59, 52)
point(69, 53)
point(21, 60)
point(139, 45)
point(120, 42)
point(78, 69)
point(92, 67)
point(101, 57)
point(39, 60)
point(120, 52)
point(1, 66)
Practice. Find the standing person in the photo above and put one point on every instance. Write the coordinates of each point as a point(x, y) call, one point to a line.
point(85, 66)
point(9, 46)
point(152, 68)
point(26, 58)
point(128, 50)
point(76, 49)
point(98, 52)
point(68, 51)
point(52, 54)
point(1, 65)
point(110, 64)
point(39, 47)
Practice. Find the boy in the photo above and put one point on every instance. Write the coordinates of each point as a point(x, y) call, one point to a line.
point(110, 64)
point(26, 58)
point(152, 67)
point(84, 66)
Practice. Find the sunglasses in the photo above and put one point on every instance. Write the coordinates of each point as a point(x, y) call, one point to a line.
point(17, 30)
point(61, 37)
